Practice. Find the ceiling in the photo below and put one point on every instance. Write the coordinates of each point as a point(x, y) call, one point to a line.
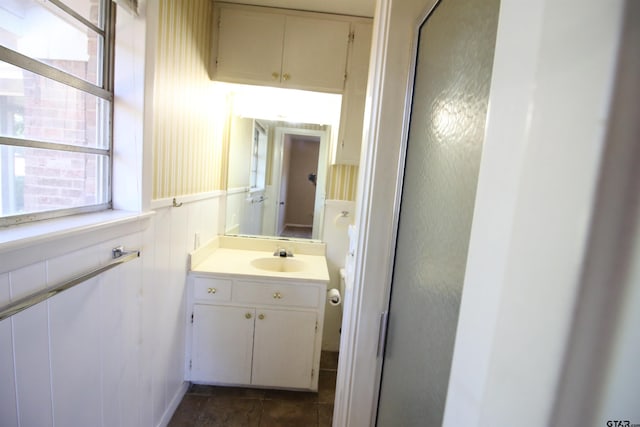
point(345, 7)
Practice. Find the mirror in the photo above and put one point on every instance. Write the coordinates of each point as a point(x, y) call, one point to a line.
point(278, 153)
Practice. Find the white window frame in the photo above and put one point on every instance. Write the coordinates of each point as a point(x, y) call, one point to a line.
point(105, 92)
point(258, 172)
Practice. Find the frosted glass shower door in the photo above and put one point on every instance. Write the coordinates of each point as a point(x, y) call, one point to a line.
point(448, 113)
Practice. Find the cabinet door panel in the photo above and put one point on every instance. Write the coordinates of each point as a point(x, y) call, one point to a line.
point(315, 54)
point(222, 344)
point(352, 113)
point(250, 46)
point(283, 348)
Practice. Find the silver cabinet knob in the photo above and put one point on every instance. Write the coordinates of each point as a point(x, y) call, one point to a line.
point(211, 290)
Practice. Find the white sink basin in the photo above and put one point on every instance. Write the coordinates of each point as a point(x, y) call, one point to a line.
point(277, 264)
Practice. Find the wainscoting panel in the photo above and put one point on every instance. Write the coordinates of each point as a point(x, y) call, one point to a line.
point(109, 351)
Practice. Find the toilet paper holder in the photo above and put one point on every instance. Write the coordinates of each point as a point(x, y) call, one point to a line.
point(334, 297)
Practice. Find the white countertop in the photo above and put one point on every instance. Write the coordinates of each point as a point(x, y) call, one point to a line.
point(235, 261)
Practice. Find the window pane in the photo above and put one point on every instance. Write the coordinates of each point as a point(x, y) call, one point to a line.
point(44, 32)
point(36, 180)
point(34, 107)
point(88, 9)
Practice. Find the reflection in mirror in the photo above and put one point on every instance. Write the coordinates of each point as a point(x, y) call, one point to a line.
point(278, 160)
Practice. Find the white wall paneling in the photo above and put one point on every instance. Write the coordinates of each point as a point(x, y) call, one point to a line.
point(235, 202)
point(335, 236)
point(171, 325)
point(73, 320)
point(109, 351)
point(8, 407)
point(31, 349)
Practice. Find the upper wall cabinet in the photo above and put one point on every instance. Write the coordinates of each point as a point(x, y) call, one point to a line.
point(315, 53)
point(249, 46)
point(275, 47)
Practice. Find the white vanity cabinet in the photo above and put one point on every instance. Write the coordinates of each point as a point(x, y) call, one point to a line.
point(256, 332)
point(274, 47)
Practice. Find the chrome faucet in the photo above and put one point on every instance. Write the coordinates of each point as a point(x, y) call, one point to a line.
point(283, 253)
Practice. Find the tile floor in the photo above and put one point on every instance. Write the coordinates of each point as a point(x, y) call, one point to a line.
point(297, 232)
point(212, 406)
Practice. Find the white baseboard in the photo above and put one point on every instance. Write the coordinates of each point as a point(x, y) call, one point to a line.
point(173, 405)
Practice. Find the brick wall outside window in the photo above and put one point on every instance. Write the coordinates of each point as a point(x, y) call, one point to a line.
point(55, 113)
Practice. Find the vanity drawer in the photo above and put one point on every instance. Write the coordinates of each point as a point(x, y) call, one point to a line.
point(211, 289)
point(276, 294)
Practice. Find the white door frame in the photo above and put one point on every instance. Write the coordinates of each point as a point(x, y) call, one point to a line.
point(323, 171)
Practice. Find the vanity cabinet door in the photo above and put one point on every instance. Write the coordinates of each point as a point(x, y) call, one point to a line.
point(250, 46)
point(315, 54)
point(222, 344)
point(284, 348)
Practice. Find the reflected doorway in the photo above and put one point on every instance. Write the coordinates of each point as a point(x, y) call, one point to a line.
point(300, 155)
point(298, 185)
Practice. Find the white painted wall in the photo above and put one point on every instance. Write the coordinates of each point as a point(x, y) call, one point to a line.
point(536, 192)
point(600, 383)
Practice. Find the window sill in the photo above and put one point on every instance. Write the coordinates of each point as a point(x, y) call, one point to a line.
point(26, 244)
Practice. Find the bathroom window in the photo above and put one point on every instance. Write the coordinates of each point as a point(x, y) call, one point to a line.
point(258, 172)
point(56, 103)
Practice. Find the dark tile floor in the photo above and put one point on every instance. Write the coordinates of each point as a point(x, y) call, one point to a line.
point(212, 406)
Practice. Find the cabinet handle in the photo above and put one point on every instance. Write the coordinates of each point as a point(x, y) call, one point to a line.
point(277, 295)
point(275, 75)
point(286, 76)
point(211, 290)
point(247, 316)
point(261, 317)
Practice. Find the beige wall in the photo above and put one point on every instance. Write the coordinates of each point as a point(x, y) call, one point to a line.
point(342, 182)
point(187, 132)
point(300, 191)
point(189, 152)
